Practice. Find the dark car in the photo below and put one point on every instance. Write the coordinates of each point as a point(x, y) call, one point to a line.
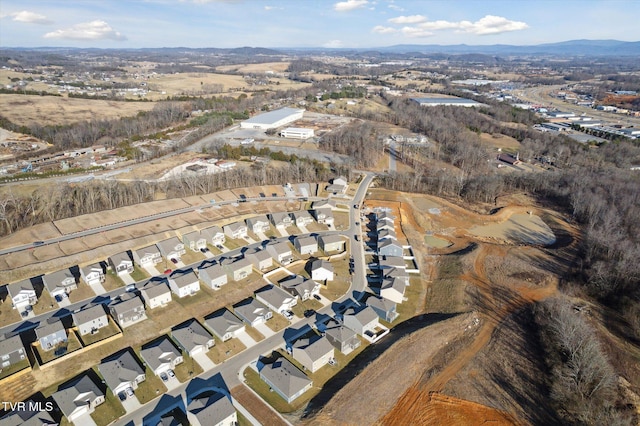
point(122, 396)
point(174, 260)
point(164, 377)
point(38, 243)
point(309, 313)
point(204, 250)
point(317, 297)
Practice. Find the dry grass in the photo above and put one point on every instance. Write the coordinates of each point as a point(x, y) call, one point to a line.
point(225, 350)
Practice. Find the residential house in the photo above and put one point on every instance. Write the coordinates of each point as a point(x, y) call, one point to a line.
point(147, 256)
point(400, 274)
point(313, 353)
point(156, 294)
point(78, 398)
point(224, 324)
point(391, 262)
point(213, 235)
point(302, 218)
point(276, 298)
point(324, 216)
point(51, 333)
point(385, 309)
point(320, 270)
point(385, 216)
point(361, 320)
point(389, 247)
point(281, 252)
point(28, 416)
point(382, 225)
point(22, 294)
point(324, 204)
point(171, 248)
point(184, 283)
point(192, 337)
point(92, 274)
point(385, 234)
point(342, 338)
point(121, 372)
point(127, 310)
point(213, 275)
point(60, 283)
point(252, 312)
point(305, 245)
point(301, 287)
point(260, 259)
point(121, 263)
point(393, 289)
point(91, 320)
point(281, 219)
point(237, 269)
point(11, 350)
point(212, 408)
point(194, 240)
point(331, 243)
point(338, 185)
point(257, 224)
point(285, 379)
point(235, 230)
point(161, 355)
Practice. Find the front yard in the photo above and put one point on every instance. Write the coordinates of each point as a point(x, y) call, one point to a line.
point(151, 388)
point(188, 369)
point(109, 411)
point(225, 350)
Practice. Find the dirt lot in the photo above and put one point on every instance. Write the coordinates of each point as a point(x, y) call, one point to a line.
point(55, 110)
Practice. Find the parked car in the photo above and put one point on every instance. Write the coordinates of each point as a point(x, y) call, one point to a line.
point(317, 297)
point(309, 313)
point(171, 373)
point(38, 243)
point(288, 315)
point(168, 271)
point(24, 314)
point(204, 250)
point(122, 396)
point(130, 391)
point(174, 260)
point(164, 377)
point(131, 287)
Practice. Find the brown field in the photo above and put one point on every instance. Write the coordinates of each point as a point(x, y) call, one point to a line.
point(255, 68)
point(500, 141)
point(54, 110)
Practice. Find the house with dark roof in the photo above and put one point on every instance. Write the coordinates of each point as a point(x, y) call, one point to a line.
point(252, 312)
point(212, 275)
point(60, 283)
point(224, 324)
point(128, 310)
point(92, 274)
point(11, 351)
point(276, 298)
point(285, 379)
point(342, 338)
point(22, 294)
point(212, 408)
point(331, 243)
point(28, 417)
point(313, 353)
point(122, 371)
point(147, 256)
point(51, 333)
point(79, 397)
point(156, 294)
point(161, 355)
point(90, 320)
point(192, 337)
point(121, 263)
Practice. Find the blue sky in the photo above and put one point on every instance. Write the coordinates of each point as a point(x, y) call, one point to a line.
point(311, 23)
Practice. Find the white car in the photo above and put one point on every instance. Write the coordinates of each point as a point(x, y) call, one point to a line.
point(288, 315)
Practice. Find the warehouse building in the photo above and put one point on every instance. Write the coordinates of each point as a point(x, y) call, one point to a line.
point(297, 133)
point(273, 119)
point(447, 102)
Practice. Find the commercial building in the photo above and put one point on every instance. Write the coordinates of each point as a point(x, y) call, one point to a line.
point(273, 119)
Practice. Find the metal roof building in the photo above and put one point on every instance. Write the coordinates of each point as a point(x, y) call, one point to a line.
point(273, 119)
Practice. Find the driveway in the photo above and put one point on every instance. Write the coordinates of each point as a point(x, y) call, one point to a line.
point(204, 361)
point(131, 404)
point(303, 229)
point(249, 240)
point(126, 279)
point(84, 420)
point(98, 289)
point(246, 340)
point(152, 270)
point(283, 232)
point(265, 330)
point(172, 383)
point(262, 236)
point(64, 302)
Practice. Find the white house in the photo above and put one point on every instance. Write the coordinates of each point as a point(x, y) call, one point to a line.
point(331, 243)
point(361, 320)
point(306, 245)
point(213, 275)
point(276, 299)
point(393, 289)
point(147, 256)
point(121, 263)
point(301, 287)
point(235, 230)
point(313, 353)
point(22, 294)
point(171, 248)
point(252, 312)
point(212, 409)
point(92, 274)
point(257, 224)
point(156, 295)
point(281, 252)
point(213, 235)
point(281, 219)
point(321, 270)
point(184, 283)
point(324, 216)
point(194, 240)
point(90, 320)
point(60, 283)
point(302, 218)
point(237, 269)
point(260, 259)
point(225, 325)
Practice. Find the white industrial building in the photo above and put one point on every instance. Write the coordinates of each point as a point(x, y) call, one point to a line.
point(454, 101)
point(273, 119)
point(297, 133)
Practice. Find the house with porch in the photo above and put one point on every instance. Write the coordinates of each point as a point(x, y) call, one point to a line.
point(362, 320)
point(23, 295)
point(171, 248)
point(257, 224)
point(78, 397)
point(300, 287)
point(302, 218)
point(121, 263)
point(224, 325)
point(252, 312)
point(236, 230)
point(127, 310)
point(276, 298)
point(161, 355)
point(324, 216)
point(92, 274)
point(147, 256)
point(194, 240)
point(60, 283)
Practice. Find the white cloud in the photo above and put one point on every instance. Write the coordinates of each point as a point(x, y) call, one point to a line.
point(383, 30)
point(415, 32)
point(345, 6)
point(333, 44)
point(395, 7)
point(439, 25)
point(413, 19)
point(29, 17)
point(491, 24)
point(94, 30)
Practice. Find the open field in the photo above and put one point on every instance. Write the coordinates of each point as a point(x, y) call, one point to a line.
point(55, 110)
point(255, 68)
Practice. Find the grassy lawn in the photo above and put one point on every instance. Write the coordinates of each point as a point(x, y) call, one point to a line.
point(446, 296)
point(112, 281)
point(8, 315)
point(341, 220)
point(225, 350)
point(232, 243)
point(73, 344)
point(277, 322)
point(139, 274)
point(341, 282)
point(83, 292)
point(45, 303)
point(192, 256)
point(280, 275)
point(12, 369)
point(242, 420)
point(316, 227)
point(150, 388)
point(108, 331)
point(252, 379)
point(254, 334)
point(188, 369)
point(204, 294)
point(306, 305)
point(109, 411)
point(410, 307)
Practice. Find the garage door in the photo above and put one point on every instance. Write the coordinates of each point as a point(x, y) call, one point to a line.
point(197, 350)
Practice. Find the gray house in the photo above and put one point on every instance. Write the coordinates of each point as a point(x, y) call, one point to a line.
point(194, 240)
point(281, 252)
point(192, 337)
point(50, 334)
point(79, 397)
point(331, 243)
point(122, 371)
point(213, 235)
point(184, 283)
point(60, 283)
point(22, 294)
point(301, 287)
point(281, 219)
point(11, 351)
point(252, 312)
point(361, 320)
point(161, 355)
point(257, 224)
point(384, 308)
point(260, 259)
point(92, 274)
point(225, 325)
point(90, 320)
point(213, 409)
point(128, 311)
point(302, 218)
point(276, 298)
point(213, 275)
point(235, 230)
point(324, 204)
point(121, 263)
point(313, 353)
point(237, 269)
point(342, 338)
point(285, 379)
point(147, 256)
point(324, 216)
point(156, 294)
point(305, 245)
point(389, 247)
point(28, 417)
point(171, 248)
